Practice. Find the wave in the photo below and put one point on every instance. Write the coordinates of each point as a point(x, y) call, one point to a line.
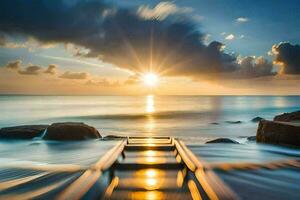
point(155, 115)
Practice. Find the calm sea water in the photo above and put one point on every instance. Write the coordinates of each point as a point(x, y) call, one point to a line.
point(181, 116)
point(194, 119)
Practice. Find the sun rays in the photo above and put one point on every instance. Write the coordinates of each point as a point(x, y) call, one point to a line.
point(150, 79)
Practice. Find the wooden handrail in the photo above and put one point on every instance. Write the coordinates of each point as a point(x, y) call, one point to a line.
point(82, 185)
point(189, 163)
point(214, 187)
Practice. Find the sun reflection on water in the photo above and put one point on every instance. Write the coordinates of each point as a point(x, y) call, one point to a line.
point(150, 153)
point(150, 109)
point(151, 173)
point(150, 179)
point(150, 157)
point(148, 195)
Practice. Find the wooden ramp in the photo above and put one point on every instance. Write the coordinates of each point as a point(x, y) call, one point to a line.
point(150, 168)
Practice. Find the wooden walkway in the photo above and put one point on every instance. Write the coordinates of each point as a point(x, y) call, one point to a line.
point(145, 168)
point(149, 168)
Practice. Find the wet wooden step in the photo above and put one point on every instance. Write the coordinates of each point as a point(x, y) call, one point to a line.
point(150, 160)
point(149, 153)
point(137, 166)
point(149, 147)
point(150, 179)
point(153, 194)
point(149, 141)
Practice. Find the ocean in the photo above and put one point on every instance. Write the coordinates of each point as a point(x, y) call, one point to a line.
point(41, 169)
point(180, 116)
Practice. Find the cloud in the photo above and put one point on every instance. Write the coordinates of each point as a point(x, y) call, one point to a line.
point(29, 43)
point(288, 56)
point(229, 37)
point(242, 19)
point(30, 70)
point(102, 83)
point(197, 18)
point(11, 45)
point(206, 38)
point(251, 67)
point(14, 65)
point(76, 50)
point(163, 40)
point(66, 20)
point(171, 47)
point(52, 69)
point(133, 80)
point(161, 11)
point(74, 75)
point(2, 40)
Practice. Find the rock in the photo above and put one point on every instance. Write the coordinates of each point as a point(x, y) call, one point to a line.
point(22, 132)
point(257, 119)
point(214, 123)
point(275, 132)
point(251, 138)
point(113, 137)
point(288, 117)
point(71, 131)
point(222, 140)
point(233, 122)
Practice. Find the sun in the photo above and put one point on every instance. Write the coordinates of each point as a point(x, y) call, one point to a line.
point(150, 79)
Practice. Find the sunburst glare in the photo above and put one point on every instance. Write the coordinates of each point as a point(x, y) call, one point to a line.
point(150, 79)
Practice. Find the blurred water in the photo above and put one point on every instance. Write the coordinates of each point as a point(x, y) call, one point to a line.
point(182, 116)
point(42, 153)
point(48, 166)
point(254, 171)
point(36, 169)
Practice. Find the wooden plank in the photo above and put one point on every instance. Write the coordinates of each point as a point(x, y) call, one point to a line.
point(135, 166)
point(147, 137)
point(147, 147)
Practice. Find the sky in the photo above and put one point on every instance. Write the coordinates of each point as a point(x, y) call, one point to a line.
point(108, 47)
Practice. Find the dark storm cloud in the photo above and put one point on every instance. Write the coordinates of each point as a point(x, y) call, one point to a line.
point(56, 21)
point(289, 56)
point(175, 47)
point(121, 36)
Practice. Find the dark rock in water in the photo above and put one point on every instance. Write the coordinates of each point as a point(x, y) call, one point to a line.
point(233, 122)
point(222, 140)
point(71, 131)
point(257, 119)
point(113, 137)
point(275, 132)
point(22, 132)
point(214, 123)
point(288, 117)
point(251, 138)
